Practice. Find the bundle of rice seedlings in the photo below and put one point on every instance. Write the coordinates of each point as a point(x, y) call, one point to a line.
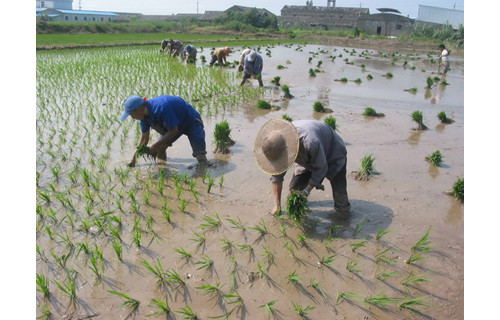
point(296, 206)
point(366, 169)
point(443, 118)
point(261, 104)
point(418, 117)
point(458, 189)
point(222, 137)
point(435, 158)
point(276, 81)
point(286, 91)
point(318, 107)
point(332, 122)
point(371, 112)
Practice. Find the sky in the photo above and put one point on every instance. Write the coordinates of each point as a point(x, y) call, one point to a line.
point(165, 7)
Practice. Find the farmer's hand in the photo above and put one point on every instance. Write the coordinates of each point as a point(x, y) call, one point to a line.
point(305, 192)
point(320, 187)
point(132, 163)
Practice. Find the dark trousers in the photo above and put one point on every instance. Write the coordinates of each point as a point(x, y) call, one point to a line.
point(339, 188)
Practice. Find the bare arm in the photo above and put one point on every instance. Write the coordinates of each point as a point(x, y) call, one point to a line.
point(165, 141)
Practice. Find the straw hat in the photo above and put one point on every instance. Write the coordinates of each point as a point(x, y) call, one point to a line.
point(276, 146)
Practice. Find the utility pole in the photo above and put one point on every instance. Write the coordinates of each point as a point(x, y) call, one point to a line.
point(197, 3)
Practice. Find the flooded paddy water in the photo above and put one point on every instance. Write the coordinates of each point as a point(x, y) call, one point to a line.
point(100, 224)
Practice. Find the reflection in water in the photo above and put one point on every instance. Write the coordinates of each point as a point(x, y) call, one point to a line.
point(456, 212)
point(433, 171)
point(414, 137)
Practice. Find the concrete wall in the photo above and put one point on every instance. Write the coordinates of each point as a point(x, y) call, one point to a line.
point(386, 24)
point(320, 17)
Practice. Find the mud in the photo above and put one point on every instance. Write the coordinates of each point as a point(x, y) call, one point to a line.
point(407, 197)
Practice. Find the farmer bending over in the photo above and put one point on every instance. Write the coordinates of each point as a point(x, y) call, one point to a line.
point(244, 53)
point(190, 54)
point(171, 117)
point(220, 56)
point(174, 47)
point(253, 67)
point(317, 151)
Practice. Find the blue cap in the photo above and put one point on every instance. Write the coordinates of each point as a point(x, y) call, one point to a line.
point(131, 103)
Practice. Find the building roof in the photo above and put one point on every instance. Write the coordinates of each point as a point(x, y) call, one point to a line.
point(76, 12)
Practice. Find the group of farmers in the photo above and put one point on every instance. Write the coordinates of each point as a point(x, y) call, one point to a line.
point(316, 149)
point(250, 64)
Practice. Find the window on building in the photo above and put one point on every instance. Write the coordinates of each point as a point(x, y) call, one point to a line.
point(102, 19)
point(42, 4)
point(93, 18)
point(84, 18)
point(76, 18)
point(399, 27)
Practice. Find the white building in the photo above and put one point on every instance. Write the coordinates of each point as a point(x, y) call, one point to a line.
point(440, 15)
point(55, 4)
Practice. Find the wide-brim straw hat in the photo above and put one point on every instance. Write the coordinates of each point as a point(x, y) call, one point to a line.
point(276, 146)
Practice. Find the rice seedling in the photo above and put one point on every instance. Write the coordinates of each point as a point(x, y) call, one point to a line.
point(144, 152)
point(287, 117)
point(276, 81)
point(205, 263)
point(129, 303)
point(211, 223)
point(410, 279)
point(269, 308)
point(381, 301)
point(210, 290)
point(357, 80)
point(268, 255)
point(423, 242)
point(418, 117)
point(237, 224)
point(381, 232)
point(222, 137)
point(296, 206)
point(384, 275)
point(228, 244)
point(412, 90)
point(314, 284)
point(343, 80)
point(173, 277)
point(457, 190)
point(187, 313)
point(261, 104)
point(301, 311)
point(246, 247)
point(94, 267)
point(46, 314)
point(301, 239)
point(352, 266)
point(429, 82)
point(182, 205)
point(356, 245)
point(117, 247)
point(210, 184)
point(388, 75)
point(366, 169)
point(290, 249)
point(156, 270)
point(359, 226)
point(347, 295)
point(312, 73)
point(162, 307)
point(42, 283)
point(280, 66)
point(184, 254)
point(61, 260)
point(293, 278)
point(332, 122)
point(435, 158)
point(443, 118)
point(68, 288)
point(199, 239)
point(410, 304)
point(261, 228)
point(221, 180)
point(369, 77)
point(286, 91)
point(136, 237)
point(327, 260)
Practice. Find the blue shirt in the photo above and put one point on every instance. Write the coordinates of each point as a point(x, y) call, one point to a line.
point(168, 112)
point(256, 65)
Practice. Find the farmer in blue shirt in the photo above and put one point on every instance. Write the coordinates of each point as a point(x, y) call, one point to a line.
point(253, 67)
point(190, 54)
point(171, 117)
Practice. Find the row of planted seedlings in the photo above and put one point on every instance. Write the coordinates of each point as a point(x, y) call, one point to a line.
point(91, 209)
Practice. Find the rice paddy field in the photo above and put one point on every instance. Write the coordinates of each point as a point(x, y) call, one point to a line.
point(178, 240)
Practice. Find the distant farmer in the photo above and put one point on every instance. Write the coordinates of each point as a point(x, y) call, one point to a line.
point(171, 117)
point(220, 56)
point(318, 153)
point(174, 47)
point(164, 44)
point(253, 68)
point(189, 54)
point(443, 60)
point(244, 53)
point(459, 43)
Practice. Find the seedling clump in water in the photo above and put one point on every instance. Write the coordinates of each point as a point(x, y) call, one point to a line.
point(371, 112)
point(222, 138)
point(366, 169)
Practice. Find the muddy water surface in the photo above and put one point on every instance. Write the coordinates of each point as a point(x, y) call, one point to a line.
point(408, 197)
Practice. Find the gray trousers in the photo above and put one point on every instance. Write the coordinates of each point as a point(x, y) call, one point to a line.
point(339, 188)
